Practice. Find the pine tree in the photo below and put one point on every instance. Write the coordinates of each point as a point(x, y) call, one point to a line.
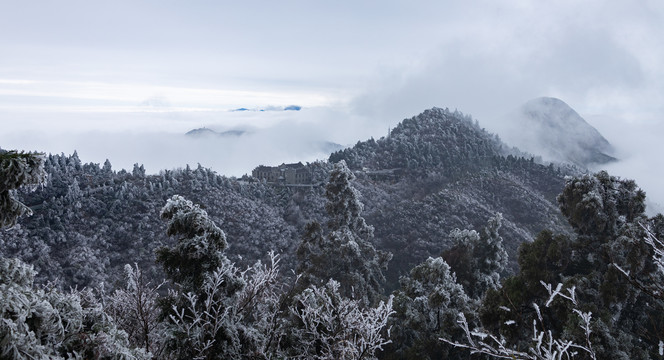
point(200, 244)
point(138, 171)
point(607, 214)
point(217, 310)
point(478, 259)
point(17, 169)
point(597, 205)
point(107, 168)
point(427, 305)
point(45, 323)
point(346, 254)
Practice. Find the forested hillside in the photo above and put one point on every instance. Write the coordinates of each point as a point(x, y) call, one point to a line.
point(90, 221)
point(397, 256)
point(445, 173)
point(440, 171)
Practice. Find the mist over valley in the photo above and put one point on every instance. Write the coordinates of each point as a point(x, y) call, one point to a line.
point(331, 180)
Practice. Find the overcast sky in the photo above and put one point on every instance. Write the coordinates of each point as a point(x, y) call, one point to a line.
point(125, 79)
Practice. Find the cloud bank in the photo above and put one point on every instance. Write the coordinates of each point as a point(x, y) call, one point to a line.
point(158, 140)
point(71, 78)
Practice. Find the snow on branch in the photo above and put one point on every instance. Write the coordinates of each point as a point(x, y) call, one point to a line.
point(544, 345)
point(657, 246)
point(553, 293)
point(651, 286)
point(336, 327)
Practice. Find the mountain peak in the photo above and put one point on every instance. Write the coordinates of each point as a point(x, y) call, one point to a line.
point(436, 137)
point(550, 127)
point(206, 132)
point(201, 132)
point(555, 112)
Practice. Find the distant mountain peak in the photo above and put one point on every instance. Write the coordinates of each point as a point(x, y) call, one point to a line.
point(205, 132)
point(201, 132)
point(550, 127)
point(270, 108)
point(554, 112)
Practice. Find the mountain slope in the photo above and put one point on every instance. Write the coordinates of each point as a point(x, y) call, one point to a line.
point(437, 137)
point(435, 172)
point(439, 171)
point(550, 127)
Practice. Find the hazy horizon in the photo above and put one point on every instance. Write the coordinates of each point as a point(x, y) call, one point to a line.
point(125, 80)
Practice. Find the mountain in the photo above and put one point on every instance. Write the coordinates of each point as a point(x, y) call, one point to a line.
point(435, 172)
point(550, 127)
point(205, 132)
point(270, 108)
point(439, 171)
point(324, 147)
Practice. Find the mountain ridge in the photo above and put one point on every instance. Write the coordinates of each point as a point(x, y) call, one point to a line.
point(454, 175)
point(451, 174)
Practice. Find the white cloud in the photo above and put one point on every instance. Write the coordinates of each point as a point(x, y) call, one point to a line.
point(81, 70)
point(601, 58)
point(128, 94)
point(157, 139)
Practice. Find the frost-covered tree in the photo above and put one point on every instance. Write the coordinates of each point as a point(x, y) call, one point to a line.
point(203, 277)
point(38, 323)
point(74, 193)
point(606, 213)
point(427, 305)
point(138, 171)
point(346, 254)
point(107, 168)
point(216, 311)
point(199, 247)
point(344, 207)
point(74, 161)
point(598, 205)
point(218, 322)
point(332, 326)
point(492, 253)
point(17, 169)
point(478, 259)
point(653, 283)
point(135, 309)
point(542, 345)
point(45, 323)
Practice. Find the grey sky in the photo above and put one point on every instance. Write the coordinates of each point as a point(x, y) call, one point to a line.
point(121, 70)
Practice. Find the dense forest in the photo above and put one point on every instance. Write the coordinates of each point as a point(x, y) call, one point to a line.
point(437, 241)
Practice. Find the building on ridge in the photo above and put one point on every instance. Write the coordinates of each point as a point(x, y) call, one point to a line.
point(296, 173)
